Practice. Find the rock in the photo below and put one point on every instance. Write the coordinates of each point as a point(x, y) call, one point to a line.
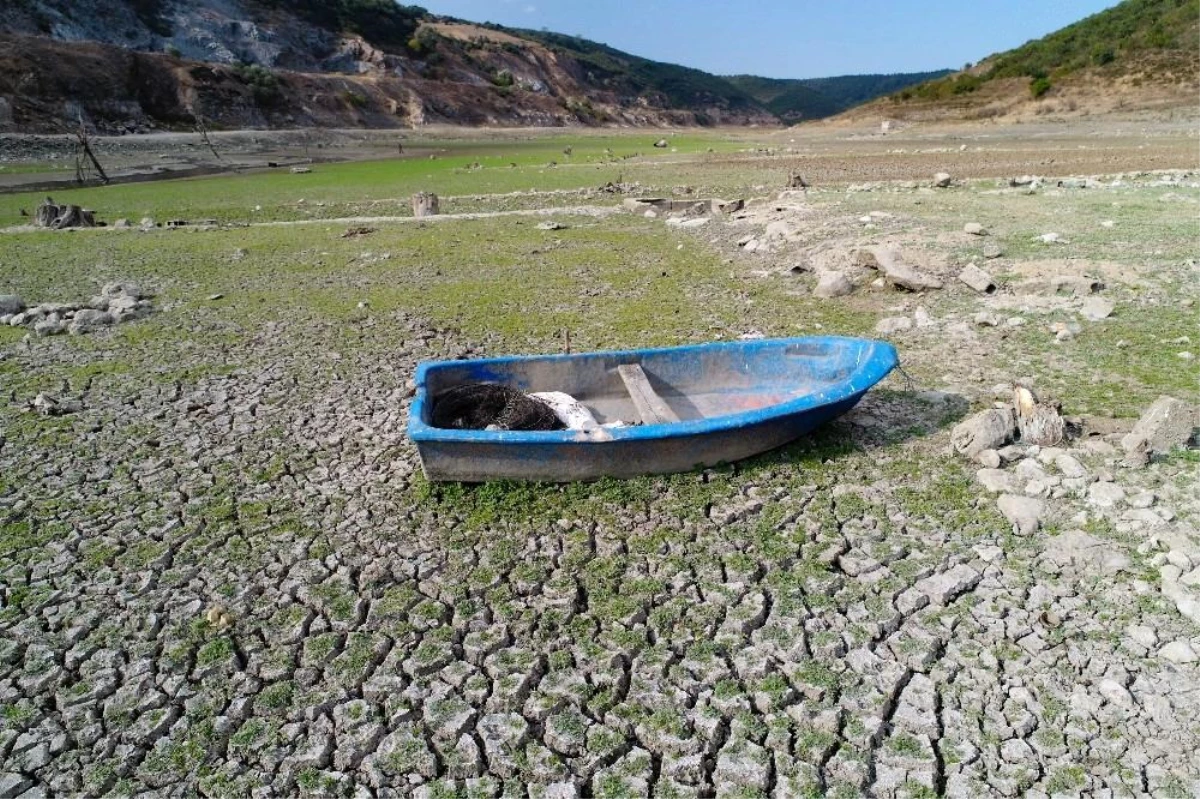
point(215, 297)
point(832, 284)
point(1069, 466)
point(778, 230)
point(945, 587)
point(893, 324)
point(1086, 553)
point(989, 459)
point(1116, 693)
point(47, 405)
point(992, 251)
point(301, 170)
point(125, 308)
point(996, 480)
point(1025, 513)
point(123, 289)
point(1143, 636)
point(1167, 424)
point(1050, 238)
point(1105, 495)
point(1178, 652)
point(987, 319)
point(742, 767)
point(13, 784)
point(696, 222)
point(661, 143)
point(977, 279)
point(888, 261)
point(1096, 308)
point(990, 429)
point(974, 229)
point(551, 225)
point(49, 327)
point(11, 304)
point(89, 321)
point(942, 180)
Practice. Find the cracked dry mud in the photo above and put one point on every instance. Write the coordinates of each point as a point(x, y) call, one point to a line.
point(238, 584)
point(825, 636)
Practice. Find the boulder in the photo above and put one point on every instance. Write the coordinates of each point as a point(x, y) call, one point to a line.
point(661, 143)
point(1167, 424)
point(942, 180)
point(832, 284)
point(990, 429)
point(974, 229)
point(11, 304)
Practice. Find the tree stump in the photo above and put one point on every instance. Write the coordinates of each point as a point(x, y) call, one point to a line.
point(56, 217)
point(425, 203)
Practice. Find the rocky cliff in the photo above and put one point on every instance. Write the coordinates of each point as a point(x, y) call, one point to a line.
point(132, 65)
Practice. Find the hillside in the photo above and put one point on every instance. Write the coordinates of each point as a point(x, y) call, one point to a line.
point(1141, 54)
point(814, 98)
point(142, 64)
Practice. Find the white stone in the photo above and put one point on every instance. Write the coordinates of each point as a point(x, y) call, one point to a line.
point(1178, 652)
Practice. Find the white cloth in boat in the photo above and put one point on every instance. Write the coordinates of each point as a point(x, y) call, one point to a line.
point(570, 411)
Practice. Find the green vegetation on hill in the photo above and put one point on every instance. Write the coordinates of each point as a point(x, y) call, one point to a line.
point(814, 98)
point(1114, 39)
point(614, 70)
point(790, 100)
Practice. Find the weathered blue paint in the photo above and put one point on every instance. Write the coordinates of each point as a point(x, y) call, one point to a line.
point(734, 399)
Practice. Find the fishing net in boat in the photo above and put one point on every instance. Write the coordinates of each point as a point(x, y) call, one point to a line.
point(478, 406)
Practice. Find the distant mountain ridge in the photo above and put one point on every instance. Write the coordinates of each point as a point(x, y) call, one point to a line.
point(796, 100)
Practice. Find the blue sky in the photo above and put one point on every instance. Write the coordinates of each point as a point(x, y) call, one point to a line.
point(797, 39)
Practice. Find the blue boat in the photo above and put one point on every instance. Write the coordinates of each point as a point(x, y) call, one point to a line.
point(684, 407)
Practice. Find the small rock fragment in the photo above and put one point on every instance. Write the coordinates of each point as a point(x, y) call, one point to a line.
point(1096, 308)
point(977, 279)
point(833, 284)
point(893, 324)
point(1025, 513)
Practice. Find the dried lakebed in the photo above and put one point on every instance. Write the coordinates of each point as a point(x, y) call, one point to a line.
point(223, 574)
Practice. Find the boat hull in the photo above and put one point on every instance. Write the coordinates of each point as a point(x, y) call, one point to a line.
point(734, 400)
point(568, 462)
